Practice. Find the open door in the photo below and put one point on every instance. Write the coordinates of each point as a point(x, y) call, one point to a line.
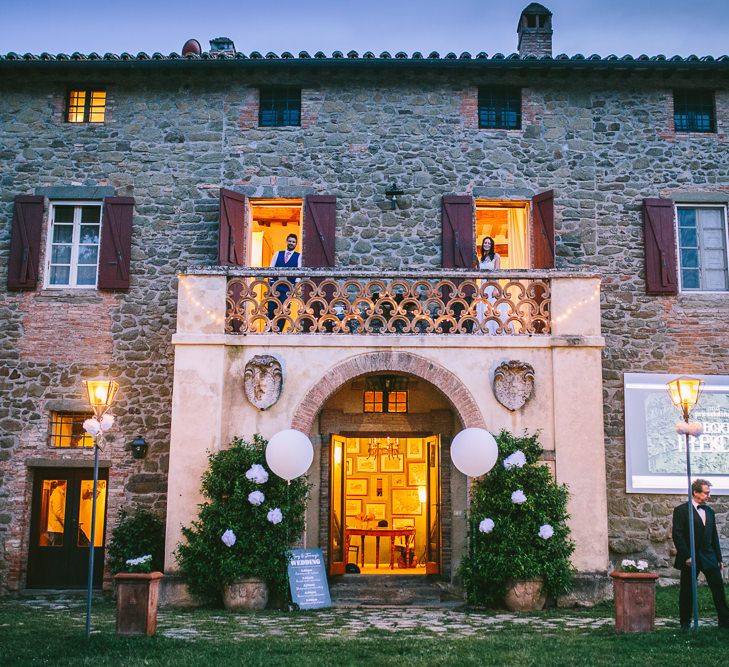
point(336, 495)
point(432, 447)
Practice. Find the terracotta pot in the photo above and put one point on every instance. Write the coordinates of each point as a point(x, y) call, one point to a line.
point(137, 594)
point(635, 601)
point(526, 595)
point(246, 595)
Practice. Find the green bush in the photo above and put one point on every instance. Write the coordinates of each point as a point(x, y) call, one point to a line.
point(138, 533)
point(207, 564)
point(513, 549)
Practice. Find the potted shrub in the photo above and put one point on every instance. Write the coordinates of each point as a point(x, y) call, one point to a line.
point(137, 576)
point(244, 529)
point(520, 542)
point(634, 593)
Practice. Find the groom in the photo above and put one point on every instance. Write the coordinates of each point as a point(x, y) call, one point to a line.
point(708, 552)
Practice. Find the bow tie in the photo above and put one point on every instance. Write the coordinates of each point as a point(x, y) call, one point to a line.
point(701, 507)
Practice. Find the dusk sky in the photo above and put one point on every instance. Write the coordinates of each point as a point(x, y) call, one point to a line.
point(670, 27)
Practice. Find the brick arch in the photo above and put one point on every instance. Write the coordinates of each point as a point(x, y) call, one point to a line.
point(376, 362)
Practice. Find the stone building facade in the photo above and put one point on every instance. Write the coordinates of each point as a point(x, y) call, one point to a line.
point(598, 132)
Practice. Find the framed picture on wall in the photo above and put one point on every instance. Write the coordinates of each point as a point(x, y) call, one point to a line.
point(433, 454)
point(357, 486)
point(400, 522)
point(377, 509)
point(366, 464)
point(415, 449)
point(349, 466)
point(380, 488)
point(352, 446)
point(406, 501)
point(399, 480)
point(417, 474)
point(392, 463)
point(353, 507)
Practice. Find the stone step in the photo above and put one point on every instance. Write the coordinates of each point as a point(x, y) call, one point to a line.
point(356, 590)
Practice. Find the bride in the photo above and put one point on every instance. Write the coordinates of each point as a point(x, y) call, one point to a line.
point(490, 261)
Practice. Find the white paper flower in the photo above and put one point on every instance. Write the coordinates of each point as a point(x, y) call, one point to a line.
point(139, 561)
point(518, 497)
point(486, 526)
point(107, 421)
point(275, 516)
point(92, 427)
point(515, 460)
point(229, 538)
point(642, 565)
point(256, 497)
point(257, 473)
point(546, 531)
point(628, 562)
point(692, 428)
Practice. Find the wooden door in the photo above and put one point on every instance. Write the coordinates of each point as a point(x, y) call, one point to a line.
point(432, 448)
point(61, 527)
point(337, 557)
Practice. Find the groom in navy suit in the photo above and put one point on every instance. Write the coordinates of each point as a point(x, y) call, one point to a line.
point(287, 259)
point(708, 552)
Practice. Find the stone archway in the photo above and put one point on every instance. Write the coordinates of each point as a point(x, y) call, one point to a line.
point(374, 362)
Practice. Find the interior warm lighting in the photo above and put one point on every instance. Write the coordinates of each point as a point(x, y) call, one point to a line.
point(100, 394)
point(422, 494)
point(684, 393)
point(337, 454)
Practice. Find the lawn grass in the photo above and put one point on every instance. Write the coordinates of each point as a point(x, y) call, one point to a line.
point(44, 635)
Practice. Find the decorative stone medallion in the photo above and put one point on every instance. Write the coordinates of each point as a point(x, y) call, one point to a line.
point(262, 380)
point(513, 384)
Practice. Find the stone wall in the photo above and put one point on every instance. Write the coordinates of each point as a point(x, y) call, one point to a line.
point(172, 141)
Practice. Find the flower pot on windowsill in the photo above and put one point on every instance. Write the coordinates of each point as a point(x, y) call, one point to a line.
point(137, 594)
point(526, 595)
point(246, 595)
point(635, 601)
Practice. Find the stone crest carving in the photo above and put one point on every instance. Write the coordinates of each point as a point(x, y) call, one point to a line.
point(262, 380)
point(513, 384)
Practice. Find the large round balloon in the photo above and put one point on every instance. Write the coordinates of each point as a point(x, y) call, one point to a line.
point(289, 454)
point(474, 451)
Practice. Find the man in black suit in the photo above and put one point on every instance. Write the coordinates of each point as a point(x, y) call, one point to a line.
point(708, 552)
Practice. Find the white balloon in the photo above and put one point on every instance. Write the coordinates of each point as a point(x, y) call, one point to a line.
point(289, 454)
point(474, 451)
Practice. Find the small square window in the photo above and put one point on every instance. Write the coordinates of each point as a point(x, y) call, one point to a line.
point(702, 245)
point(385, 401)
point(86, 106)
point(694, 111)
point(499, 108)
point(373, 401)
point(67, 430)
point(279, 106)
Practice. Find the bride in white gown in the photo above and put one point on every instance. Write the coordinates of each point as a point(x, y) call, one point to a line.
point(489, 261)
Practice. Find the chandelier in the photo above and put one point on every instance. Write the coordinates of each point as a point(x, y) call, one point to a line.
point(390, 447)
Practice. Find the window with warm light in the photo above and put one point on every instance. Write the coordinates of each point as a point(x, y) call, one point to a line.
point(67, 430)
point(385, 401)
point(86, 106)
point(373, 401)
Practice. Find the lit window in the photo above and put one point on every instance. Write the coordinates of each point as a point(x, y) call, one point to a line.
point(373, 401)
point(702, 240)
point(86, 106)
point(67, 430)
point(499, 108)
point(73, 245)
point(385, 401)
point(693, 111)
point(279, 106)
point(397, 401)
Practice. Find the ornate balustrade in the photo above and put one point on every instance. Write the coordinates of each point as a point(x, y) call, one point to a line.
point(367, 303)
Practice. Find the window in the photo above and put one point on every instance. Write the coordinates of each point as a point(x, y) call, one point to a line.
point(385, 401)
point(693, 111)
point(702, 240)
point(86, 106)
point(73, 244)
point(67, 430)
point(499, 108)
point(279, 106)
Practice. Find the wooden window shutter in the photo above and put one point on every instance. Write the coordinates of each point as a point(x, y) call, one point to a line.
point(458, 232)
point(231, 238)
point(659, 233)
point(116, 243)
point(542, 233)
point(320, 222)
point(25, 242)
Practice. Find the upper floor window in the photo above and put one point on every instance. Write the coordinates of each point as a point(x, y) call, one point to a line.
point(73, 244)
point(279, 106)
point(67, 430)
point(86, 106)
point(702, 239)
point(499, 108)
point(694, 111)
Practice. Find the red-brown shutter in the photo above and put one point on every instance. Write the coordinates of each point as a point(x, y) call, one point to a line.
point(25, 241)
point(543, 230)
point(458, 232)
point(116, 243)
point(231, 239)
point(320, 221)
point(659, 232)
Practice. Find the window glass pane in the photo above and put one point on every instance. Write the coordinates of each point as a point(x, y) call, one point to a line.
point(62, 233)
point(690, 279)
point(689, 237)
point(689, 258)
point(61, 254)
point(60, 275)
point(67, 430)
point(90, 214)
point(63, 213)
point(86, 275)
point(85, 509)
point(89, 234)
point(87, 254)
point(53, 513)
point(715, 280)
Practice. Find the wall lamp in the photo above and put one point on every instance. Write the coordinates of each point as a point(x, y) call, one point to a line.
point(393, 194)
point(139, 447)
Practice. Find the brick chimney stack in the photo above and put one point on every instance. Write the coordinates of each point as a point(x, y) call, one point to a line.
point(535, 31)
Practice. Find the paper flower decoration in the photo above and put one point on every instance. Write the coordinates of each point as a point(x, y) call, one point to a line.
point(693, 428)
point(486, 526)
point(257, 473)
point(256, 497)
point(275, 516)
point(546, 531)
point(515, 460)
point(229, 538)
point(92, 427)
point(107, 421)
point(518, 497)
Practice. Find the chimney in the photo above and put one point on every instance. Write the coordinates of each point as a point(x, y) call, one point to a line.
point(535, 31)
point(222, 45)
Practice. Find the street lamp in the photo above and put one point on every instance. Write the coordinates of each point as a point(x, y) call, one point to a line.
point(684, 393)
point(100, 394)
